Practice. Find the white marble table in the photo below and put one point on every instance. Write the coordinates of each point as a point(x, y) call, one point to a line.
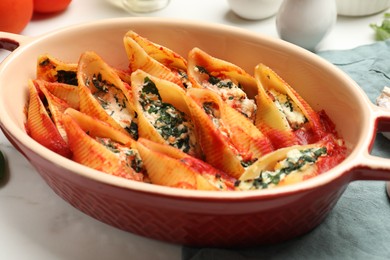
point(37, 224)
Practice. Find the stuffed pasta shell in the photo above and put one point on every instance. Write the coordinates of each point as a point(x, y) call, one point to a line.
point(292, 164)
point(169, 166)
point(228, 139)
point(155, 59)
point(283, 115)
point(98, 145)
point(104, 95)
point(54, 105)
point(163, 113)
point(66, 92)
point(53, 69)
point(43, 123)
point(235, 86)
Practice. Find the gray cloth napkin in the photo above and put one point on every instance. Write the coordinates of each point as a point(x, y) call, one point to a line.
point(359, 225)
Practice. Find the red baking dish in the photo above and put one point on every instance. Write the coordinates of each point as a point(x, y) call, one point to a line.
point(191, 217)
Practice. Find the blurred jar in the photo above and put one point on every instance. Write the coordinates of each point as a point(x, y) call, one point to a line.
point(306, 22)
point(141, 6)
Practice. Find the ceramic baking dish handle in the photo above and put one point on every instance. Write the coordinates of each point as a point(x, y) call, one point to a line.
point(11, 41)
point(372, 167)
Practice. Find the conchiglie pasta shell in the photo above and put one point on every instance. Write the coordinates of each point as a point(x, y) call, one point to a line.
point(279, 138)
point(217, 147)
point(269, 161)
point(203, 184)
point(124, 75)
point(269, 79)
point(54, 70)
point(89, 152)
point(56, 106)
point(97, 128)
point(158, 52)
point(170, 93)
point(273, 123)
point(66, 92)
point(194, 172)
point(218, 68)
point(268, 114)
point(163, 149)
point(245, 135)
point(165, 170)
point(40, 126)
point(140, 59)
point(145, 128)
point(90, 66)
point(90, 106)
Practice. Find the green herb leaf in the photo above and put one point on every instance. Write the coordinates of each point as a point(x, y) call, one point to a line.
point(382, 31)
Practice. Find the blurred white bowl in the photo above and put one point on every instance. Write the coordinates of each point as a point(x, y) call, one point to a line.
point(361, 7)
point(255, 9)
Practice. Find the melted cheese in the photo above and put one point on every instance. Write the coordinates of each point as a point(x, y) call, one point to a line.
point(291, 111)
point(232, 94)
point(115, 104)
point(125, 154)
point(296, 161)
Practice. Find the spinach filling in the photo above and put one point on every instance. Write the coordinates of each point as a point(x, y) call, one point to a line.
point(217, 81)
point(248, 163)
point(297, 162)
point(67, 77)
point(100, 83)
point(130, 156)
point(170, 123)
point(63, 76)
point(133, 129)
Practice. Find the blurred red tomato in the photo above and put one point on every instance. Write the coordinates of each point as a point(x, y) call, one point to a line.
point(50, 6)
point(15, 15)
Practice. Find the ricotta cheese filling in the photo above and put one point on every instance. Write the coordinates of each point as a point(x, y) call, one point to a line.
point(115, 103)
point(289, 108)
point(295, 161)
point(125, 154)
point(231, 92)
